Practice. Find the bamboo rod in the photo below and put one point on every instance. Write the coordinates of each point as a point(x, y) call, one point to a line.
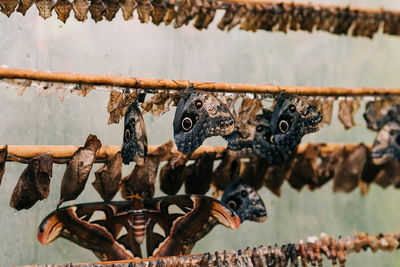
point(165, 84)
point(335, 249)
point(61, 154)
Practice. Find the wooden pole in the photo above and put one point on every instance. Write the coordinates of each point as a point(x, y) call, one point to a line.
point(61, 154)
point(164, 84)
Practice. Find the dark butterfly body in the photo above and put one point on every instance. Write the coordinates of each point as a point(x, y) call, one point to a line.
point(183, 221)
point(278, 133)
point(134, 144)
point(245, 201)
point(387, 144)
point(197, 117)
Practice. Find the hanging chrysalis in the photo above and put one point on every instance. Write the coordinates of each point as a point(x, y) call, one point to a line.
point(134, 143)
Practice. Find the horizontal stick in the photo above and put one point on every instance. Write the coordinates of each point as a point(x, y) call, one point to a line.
point(61, 154)
point(164, 84)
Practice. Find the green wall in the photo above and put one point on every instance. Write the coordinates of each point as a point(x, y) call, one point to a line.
point(133, 49)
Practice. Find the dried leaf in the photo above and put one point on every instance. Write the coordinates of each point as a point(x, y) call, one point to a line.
point(112, 7)
point(63, 8)
point(170, 13)
point(78, 169)
point(108, 177)
point(45, 8)
point(128, 6)
point(24, 5)
point(81, 8)
point(97, 9)
point(304, 168)
point(8, 6)
point(118, 105)
point(198, 175)
point(172, 174)
point(34, 182)
point(3, 158)
point(142, 179)
point(144, 9)
point(348, 174)
point(347, 110)
point(226, 171)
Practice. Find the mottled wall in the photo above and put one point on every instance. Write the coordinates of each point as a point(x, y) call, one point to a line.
point(133, 49)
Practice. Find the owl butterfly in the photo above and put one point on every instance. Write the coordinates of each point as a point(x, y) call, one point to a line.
point(378, 113)
point(182, 221)
point(245, 202)
point(387, 144)
point(134, 143)
point(197, 117)
point(278, 133)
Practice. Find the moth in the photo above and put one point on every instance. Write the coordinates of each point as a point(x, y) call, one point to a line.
point(134, 142)
point(108, 177)
point(183, 221)
point(34, 182)
point(78, 170)
point(378, 113)
point(197, 117)
point(387, 144)
point(63, 8)
point(244, 201)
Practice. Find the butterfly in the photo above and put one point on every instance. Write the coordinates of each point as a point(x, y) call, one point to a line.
point(134, 143)
point(199, 116)
point(387, 144)
point(171, 225)
point(244, 201)
point(279, 131)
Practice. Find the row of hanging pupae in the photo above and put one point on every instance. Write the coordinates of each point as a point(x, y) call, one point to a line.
point(270, 16)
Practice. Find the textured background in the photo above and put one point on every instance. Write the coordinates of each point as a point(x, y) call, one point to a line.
point(132, 49)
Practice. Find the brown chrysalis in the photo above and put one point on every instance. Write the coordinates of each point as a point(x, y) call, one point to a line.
point(63, 8)
point(78, 169)
point(108, 177)
point(198, 175)
point(81, 8)
point(3, 158)
point(172, 174)
point(34, 182)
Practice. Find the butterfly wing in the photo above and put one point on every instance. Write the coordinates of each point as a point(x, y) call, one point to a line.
point(184, 220)
point(292, 118)
point(77, 224)
point(197, 117)
point(134, 144)
point(387, 144)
